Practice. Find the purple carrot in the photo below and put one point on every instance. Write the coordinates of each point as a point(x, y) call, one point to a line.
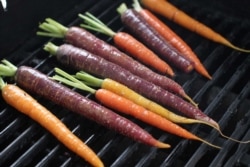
point(82, 38)
point(81, 59)
point(139, 27)
point(40, 84)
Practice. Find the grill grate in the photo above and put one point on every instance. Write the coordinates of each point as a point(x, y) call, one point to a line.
point(225, 98)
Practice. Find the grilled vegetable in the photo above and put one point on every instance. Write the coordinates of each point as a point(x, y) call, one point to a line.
point(128, 43)
point(80, 59)
point(126, 106)
point(23, 102)
point(40, 84)
point(172, 38)
point(151, 38)
point(169, 11)
point(124, 91)
point(81, 38)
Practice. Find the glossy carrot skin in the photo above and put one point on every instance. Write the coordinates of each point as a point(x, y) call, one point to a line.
point(80, 59)
point(81, 38)
point(138, 25)
point(130, 45)
point(124, 91)
point(174, 40)
point(40, 84)
point(24, 103)
point(166, 9)
point(126, 106)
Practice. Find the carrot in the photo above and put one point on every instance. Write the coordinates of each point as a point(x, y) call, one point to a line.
point(128, 43)
point(24, 103)
point(139, 27)
point(124, 91)
point(81, 38)
point(172, 38)
point(40, 84)
point(126, 106)
point(169, 11)
point(80, 59)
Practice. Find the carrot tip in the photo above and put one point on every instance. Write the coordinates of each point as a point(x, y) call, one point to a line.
point(236, 48)
point(170, 73)
point(99, 164)
point(210, 144)
point(208, 76)
point(190, 100)
point(162, 145)
point(201, 70)
point(232, 139)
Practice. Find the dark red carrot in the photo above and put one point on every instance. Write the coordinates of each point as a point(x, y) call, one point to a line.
point(128, 44)
point(151, 38)
point(81, 38)
point(80, 59)
point(24, 103)
point(172, 38)
point(40, 84)
point(126, 106)
point(119, 97)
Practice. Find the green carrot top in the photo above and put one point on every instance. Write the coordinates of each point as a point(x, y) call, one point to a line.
point(72, 81)
point(122, 8)
point(52, 28)
point(136, 5)
point(7, 69)
point(2, 83)
point(95, 24)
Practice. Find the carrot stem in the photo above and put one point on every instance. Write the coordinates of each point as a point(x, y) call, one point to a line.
point(2, 83)
point(89, 79)
point(71, 81)
point(95, 24)
point(52, 28)
point(122, 8)
point(7, 69)
point(51, 48)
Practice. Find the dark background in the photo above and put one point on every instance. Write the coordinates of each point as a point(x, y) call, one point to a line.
point(20, 21)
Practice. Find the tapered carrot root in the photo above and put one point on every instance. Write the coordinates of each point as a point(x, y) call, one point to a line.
point(139, 27)
point(124, 91)
point(172, 38)
point(128, 43)
point(169, 11)
point(40, 84)
point(126, 106)
point(81, 38)
point(24, 103)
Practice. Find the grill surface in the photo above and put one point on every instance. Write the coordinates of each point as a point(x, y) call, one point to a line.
point(225, 98)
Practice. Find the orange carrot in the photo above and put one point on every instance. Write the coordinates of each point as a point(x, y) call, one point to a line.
point(24, 103)
point(169, 11)
point(124, 91)
point(172, 38)
point(129, 44)
point(126, 106)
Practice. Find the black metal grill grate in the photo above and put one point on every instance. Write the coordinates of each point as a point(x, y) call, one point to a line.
point(225, 98)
